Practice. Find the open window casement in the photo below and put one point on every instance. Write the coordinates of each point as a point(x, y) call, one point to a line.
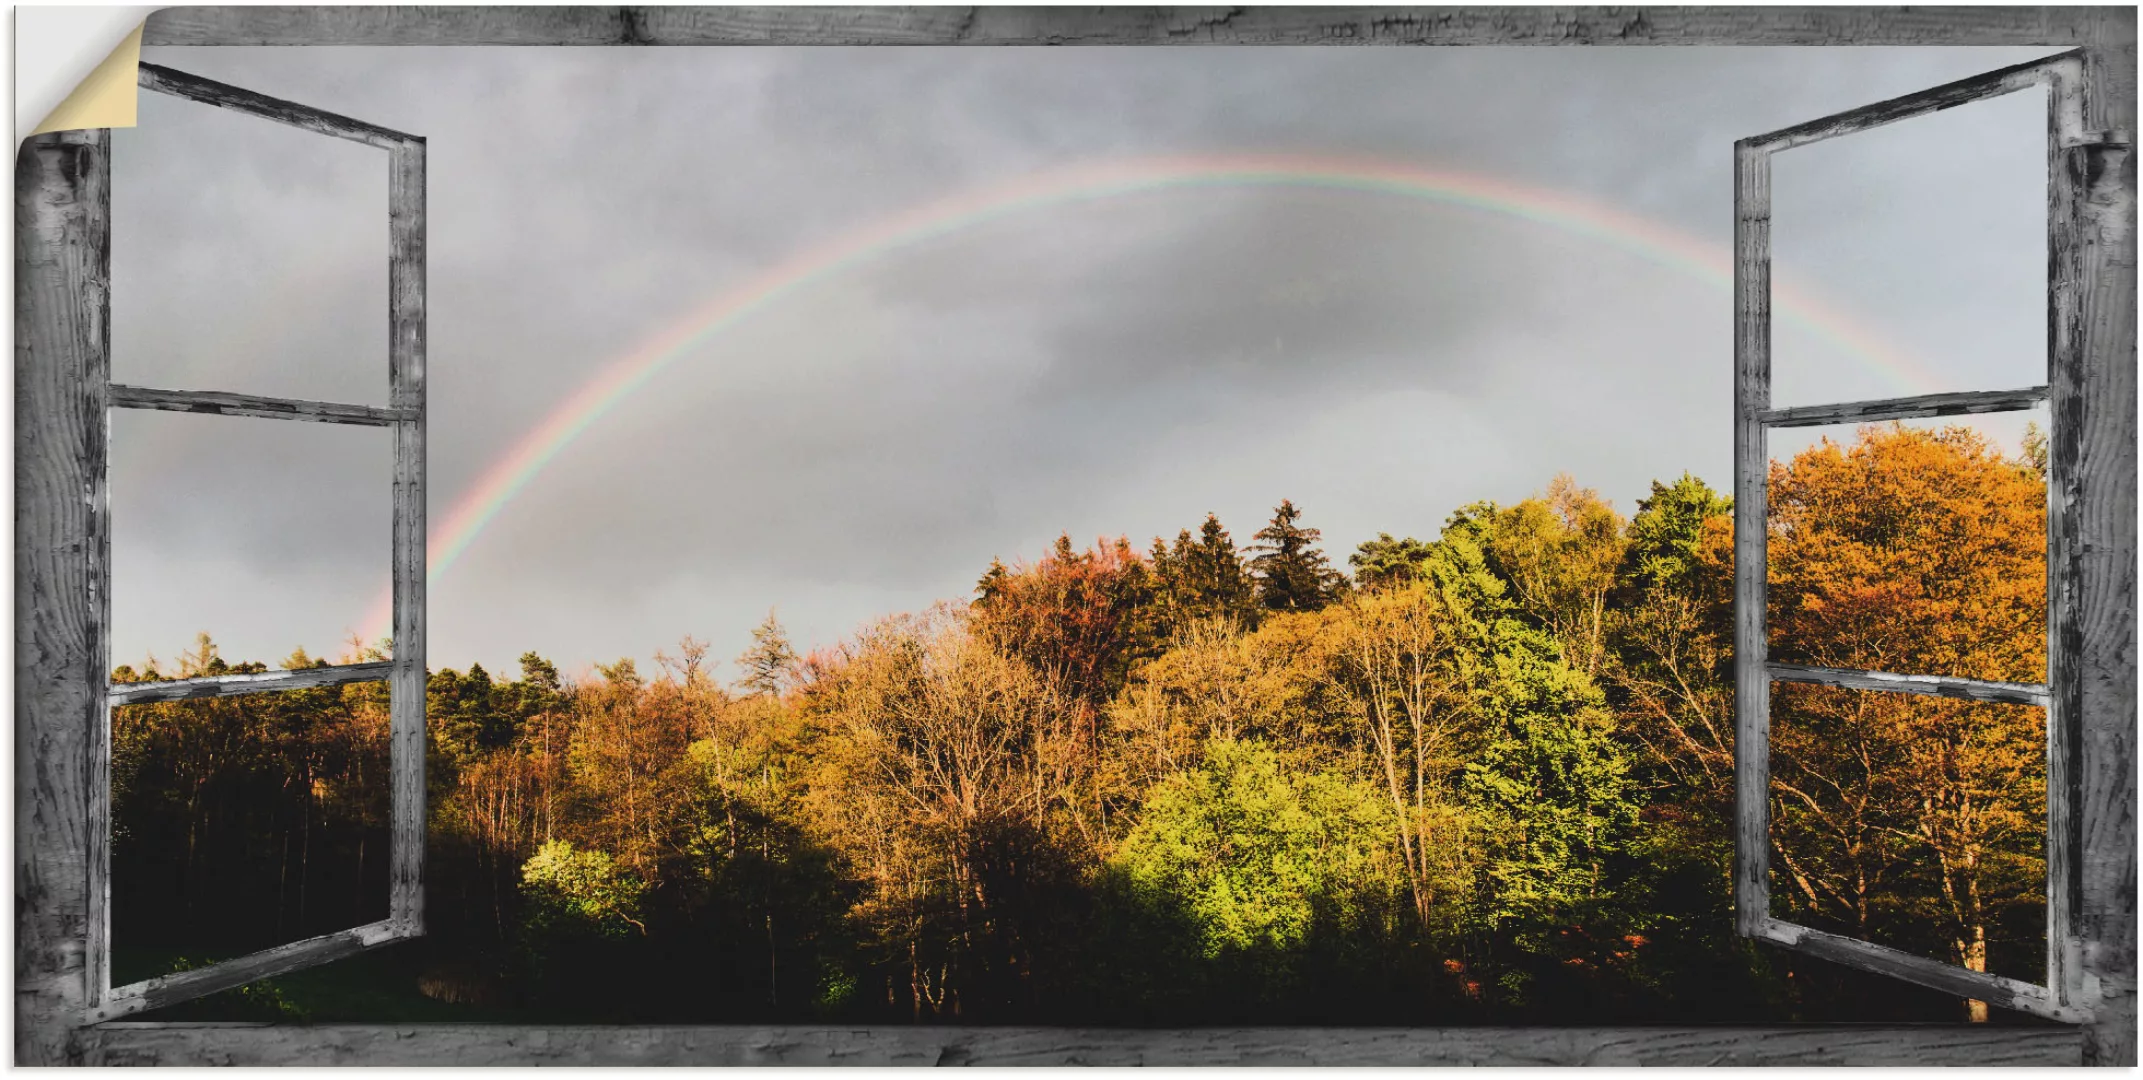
point(404, 673)
point(2070, 153)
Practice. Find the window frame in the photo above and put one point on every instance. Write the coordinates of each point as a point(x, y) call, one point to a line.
point(62, 216)
point(2062, 76)
point(404, 673)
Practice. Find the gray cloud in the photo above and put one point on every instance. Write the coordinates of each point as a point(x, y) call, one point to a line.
point(870, 440)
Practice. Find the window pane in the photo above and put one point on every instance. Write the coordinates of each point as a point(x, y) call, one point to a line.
point(1917, 548)
point(1912, 821)
point(269, 535)
point(243, 823)
point(1911, 259)
point(247, 256)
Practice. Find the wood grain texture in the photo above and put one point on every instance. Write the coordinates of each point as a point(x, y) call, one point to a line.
point(265, 682)
point(1752, 398)
point(220, 403)
point(2064, 743)
point(406, 342)
point(1935, 99)
point(1932, 685)
point(2094, 404)
point(482, 1044)
point(1961, 403)
point(1935, 974)
point(62, 569)
point(187, 985)
point(1801, 25)
point(238, 99)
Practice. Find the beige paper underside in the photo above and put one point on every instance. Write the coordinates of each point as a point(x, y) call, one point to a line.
point(106, 98)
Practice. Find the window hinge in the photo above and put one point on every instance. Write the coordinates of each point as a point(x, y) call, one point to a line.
point(2114, 137)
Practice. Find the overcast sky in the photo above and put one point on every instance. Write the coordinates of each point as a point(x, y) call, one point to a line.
point(1115, 366)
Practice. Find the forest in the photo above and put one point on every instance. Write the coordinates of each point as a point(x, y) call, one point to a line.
point(1485, 777)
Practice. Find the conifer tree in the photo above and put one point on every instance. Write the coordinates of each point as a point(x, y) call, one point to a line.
point(1291, 571)
point(1204, 578)
point(769, 661)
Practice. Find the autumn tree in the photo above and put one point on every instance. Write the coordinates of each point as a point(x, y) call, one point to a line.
point(1921, 552)
point(1082, 618)
point(949, 774)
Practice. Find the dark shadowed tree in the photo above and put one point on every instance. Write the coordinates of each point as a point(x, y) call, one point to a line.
point(1291, 570)
point(1203, 578)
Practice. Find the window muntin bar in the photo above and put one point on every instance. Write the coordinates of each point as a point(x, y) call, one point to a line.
point(223, 403)
point(264, 682)
point(1933, 685)
point(1960, 403)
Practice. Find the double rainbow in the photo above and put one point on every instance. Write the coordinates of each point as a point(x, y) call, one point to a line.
point(512, 472)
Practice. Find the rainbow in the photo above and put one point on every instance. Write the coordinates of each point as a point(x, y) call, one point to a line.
point(511, 473)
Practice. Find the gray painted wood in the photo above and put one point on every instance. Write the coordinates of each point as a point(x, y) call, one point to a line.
point(207, 91)
point(486, 1044)
point(2064, 766)
point(222, 403)
point(406, 392)
point(187, 985)
point(62, 364)
point(1752, 462)
point(1867, 956)
point(2094, 405)
point(264, 682)
point(1802, 25)
point(1907, 408)
point(1947, 96)
point(1935, 685)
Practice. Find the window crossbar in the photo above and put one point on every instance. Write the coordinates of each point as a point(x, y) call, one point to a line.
point(225, 403)
point(261, 682)
point(1934, 685)
point(1947, 96)
point(186, 985)
point(1996, 990)
point(1958, 403)
point(164, 80)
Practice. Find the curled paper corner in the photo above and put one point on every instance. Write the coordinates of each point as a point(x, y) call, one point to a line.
point(106, 97)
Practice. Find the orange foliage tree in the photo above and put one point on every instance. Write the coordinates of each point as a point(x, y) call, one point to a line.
point(1917, 821)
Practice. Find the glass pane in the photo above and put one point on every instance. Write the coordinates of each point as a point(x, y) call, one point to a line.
point(1912, 821)
point(247, 256)
point(243, 823)
point(269, 535)
point(1917, 548)
point(1911, 259)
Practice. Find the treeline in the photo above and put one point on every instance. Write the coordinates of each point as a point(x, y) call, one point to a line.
point(1483, 777)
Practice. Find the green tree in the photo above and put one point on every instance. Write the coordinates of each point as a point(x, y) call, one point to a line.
point(1291, 570)
point(588, 889)
point(1255, 845)
point(1385, 561)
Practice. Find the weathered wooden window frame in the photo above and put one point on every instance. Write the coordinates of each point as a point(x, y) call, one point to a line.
point(404, 674)
point(2061, 997)
point(62, 319)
